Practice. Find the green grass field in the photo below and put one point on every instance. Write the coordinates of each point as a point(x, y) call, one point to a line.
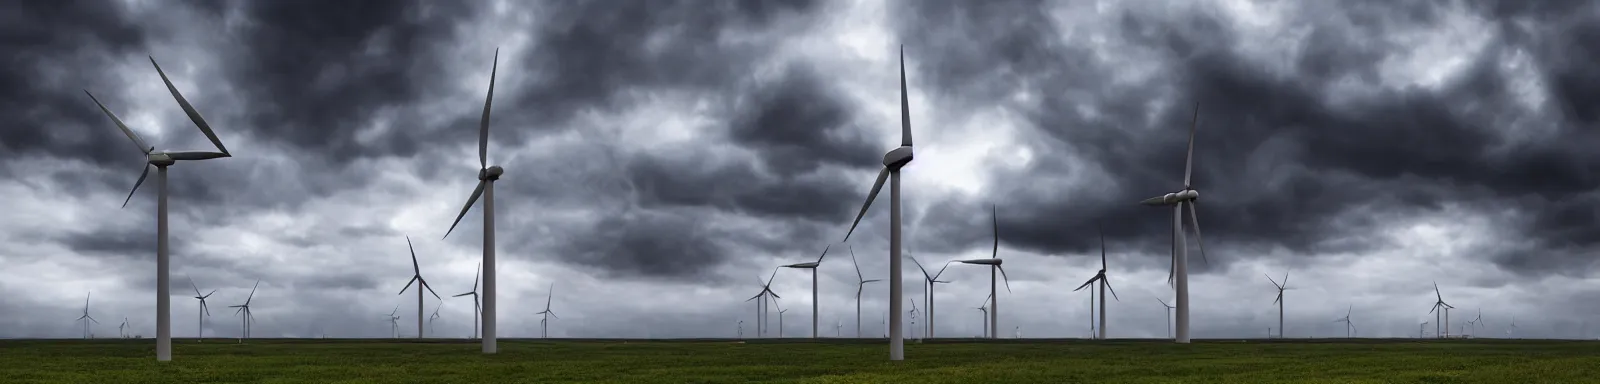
point(798, 361)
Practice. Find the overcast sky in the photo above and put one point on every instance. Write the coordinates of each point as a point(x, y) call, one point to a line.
point(662, 156)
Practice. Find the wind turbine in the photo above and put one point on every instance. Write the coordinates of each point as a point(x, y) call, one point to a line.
point(928, 281)
point(1436, 313)
point(892, 163)
point(544, 329)
point(1422, 330)
point(416, 277)
point(994, 265)
point(161, 160)
point(486, 177)
point(202, 313)
point(1104, 285)
point(1478, 321)
point(836, 325)
point(761, 305)
point(913, 319)
point(245, 318)
point(1279, 299)
point(1169, 319)
point(394, 322)
point(122, 330)
point(813, 267)
point(861, 283)
point(474, 293)
point(985, 314)
point(433, 317)
point(781, 311)
point(85, 318)
point(1180, 255)
point(1510, 331)
point(1349, 327)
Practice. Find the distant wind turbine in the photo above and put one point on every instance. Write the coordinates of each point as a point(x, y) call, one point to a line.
point(202, 313)
point(993, 262)
point(1279, 299)
point(1437, 305)
point(416, 278)
point(1104, 285)
point(394, 322)
point(1169, 318)
point(861, 284)
point(474, 293)
point(1188, 197)
point(928, 281)
point(761, 304)
point(122, 330)
point(86, 318)
point(1349, 327)
point(434, 316)
point(544, 328)
point(813, 267)
point(245, 318)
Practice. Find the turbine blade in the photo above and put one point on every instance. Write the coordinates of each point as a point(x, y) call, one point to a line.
point(919, 266)
point(1285, 281)
point(476, 193)
point(553, 314)
point(138, 142)
point(483, 123)
point(1199, 241)
point(1274, 282)
point(883, 175)
point(824, 253)
point(136, 184)
point(475, 277)
point(429, 287)
point(1102, 246)
point(994, 216)
point(204, 307)
point(1086, 284)
point(905, 104)
point(464, 294)
point(408, 285)
point(1188, 160)
point(1107, 282)
point(853, 262)
point(252, 293)
point(189, 110)
point(1280, 297)
point(549, 296)
point(1436, 291)
point(1003, 277)
point(1158, 200)
point(414, 268)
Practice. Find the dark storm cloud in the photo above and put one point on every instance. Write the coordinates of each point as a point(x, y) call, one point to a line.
point(797, 124)
point(50, 48)
point(318, 72)
point(1276, 160)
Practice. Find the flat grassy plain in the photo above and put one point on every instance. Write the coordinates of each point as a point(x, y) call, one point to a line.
point(803, 361)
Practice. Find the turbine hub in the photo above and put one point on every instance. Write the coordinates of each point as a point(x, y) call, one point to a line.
point(160, 159)
point(1190, 194)
point(897, 158)
point(492, 173)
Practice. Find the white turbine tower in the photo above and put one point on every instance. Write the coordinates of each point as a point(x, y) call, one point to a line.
point(892, 163)
point(416, 278)
point(1188, 197)
point(994, 265)
point(1104, 285)
point(476, 309)
point(861, 284)
point(1279, 300)
point(928, 281)
point(813, 267)
point(200, 331)
point(161, 160)
point(486, 178)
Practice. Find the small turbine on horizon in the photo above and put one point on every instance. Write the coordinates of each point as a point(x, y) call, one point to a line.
point(1104, 285)
point(993, 262)
point(861, 284)
point(416, 278)
point(813, 267)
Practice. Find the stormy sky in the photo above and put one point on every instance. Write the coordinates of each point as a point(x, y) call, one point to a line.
point(663, 156)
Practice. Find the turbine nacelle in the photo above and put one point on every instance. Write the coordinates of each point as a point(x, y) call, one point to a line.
point(491, 173)
point(897, 158)
point(1173, 198)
